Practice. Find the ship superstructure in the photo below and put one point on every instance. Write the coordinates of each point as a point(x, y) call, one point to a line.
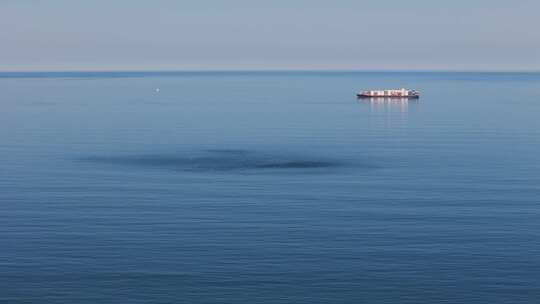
point(404, 93)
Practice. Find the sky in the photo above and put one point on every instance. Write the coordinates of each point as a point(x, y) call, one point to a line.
point(60, 35)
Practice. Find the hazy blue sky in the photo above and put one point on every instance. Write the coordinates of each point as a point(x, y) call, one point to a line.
point(277, 34)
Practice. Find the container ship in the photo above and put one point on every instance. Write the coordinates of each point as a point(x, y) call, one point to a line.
point(399, 93)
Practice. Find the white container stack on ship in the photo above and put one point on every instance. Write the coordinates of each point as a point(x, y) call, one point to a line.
point(399, 93)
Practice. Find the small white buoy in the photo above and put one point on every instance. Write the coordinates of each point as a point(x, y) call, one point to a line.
point(157, 90)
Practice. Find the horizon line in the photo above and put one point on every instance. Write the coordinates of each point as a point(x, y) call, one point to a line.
point(40, 71)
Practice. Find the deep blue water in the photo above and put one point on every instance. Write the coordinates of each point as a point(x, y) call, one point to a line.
point(269, 187)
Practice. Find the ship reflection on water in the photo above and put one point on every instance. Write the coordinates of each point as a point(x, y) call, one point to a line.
point(400, 104)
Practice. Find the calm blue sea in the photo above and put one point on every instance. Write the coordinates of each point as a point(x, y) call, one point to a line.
point(269, 187)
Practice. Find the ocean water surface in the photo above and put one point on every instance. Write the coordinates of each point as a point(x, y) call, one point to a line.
point(269, 187)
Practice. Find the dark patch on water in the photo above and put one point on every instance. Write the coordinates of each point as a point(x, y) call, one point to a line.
point(227, 151)
point(224, 160)
point(296, 164)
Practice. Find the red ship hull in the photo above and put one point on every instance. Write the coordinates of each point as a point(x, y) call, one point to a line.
point(386, 96)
